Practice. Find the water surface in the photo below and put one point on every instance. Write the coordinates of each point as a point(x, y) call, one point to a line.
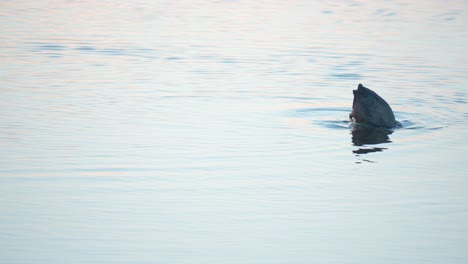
point(218, 132)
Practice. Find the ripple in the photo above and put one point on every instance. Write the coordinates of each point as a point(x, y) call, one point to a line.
point(96, 49)
point(86, 48)
point(325, 116)
point(330, 117)
point(322, 109)
point(50, 47)
point(369, 139)
point(333, 124)
point(349, 76)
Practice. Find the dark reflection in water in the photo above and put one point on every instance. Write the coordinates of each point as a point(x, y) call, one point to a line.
point(363, 134)
point(370, 136)
point(365, 151)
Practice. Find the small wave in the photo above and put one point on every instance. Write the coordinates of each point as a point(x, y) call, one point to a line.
point(89, 49)
point(349, 76)
point(344, 124)
point(39, 46)
point(322, 109)
point(325, 116)
point(410, 125)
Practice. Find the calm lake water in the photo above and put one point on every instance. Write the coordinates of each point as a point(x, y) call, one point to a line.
point(218, 132)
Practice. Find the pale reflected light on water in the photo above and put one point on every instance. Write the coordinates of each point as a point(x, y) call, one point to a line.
point(218, 132)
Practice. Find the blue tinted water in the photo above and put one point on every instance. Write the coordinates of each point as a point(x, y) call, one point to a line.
point(218, 132)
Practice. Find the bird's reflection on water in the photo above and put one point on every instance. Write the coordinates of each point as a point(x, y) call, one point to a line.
point(370, 136)
point(363, 135)
point(365, 151)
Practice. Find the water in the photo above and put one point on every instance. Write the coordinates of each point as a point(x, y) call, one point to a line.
point(218, 132)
